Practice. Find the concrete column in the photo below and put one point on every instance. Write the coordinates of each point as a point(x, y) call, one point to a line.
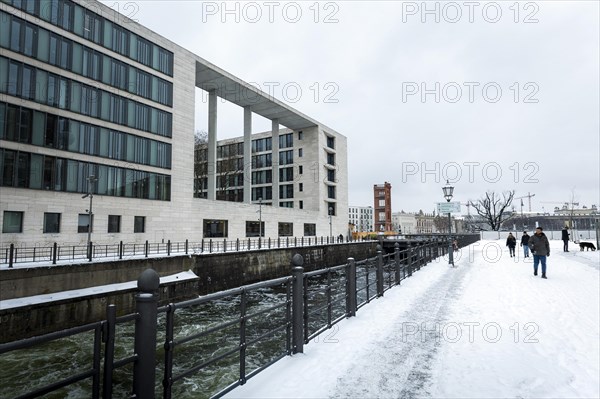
point(212, 145)
point(247, 155)
point(275, 148)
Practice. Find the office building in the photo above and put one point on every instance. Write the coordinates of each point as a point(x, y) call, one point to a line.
point(93, 102)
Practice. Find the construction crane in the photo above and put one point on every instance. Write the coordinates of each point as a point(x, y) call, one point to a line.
point(528, 196)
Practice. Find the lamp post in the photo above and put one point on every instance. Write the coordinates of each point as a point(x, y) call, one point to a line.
point(91, 180)
point(448, 191)
point(330, 232)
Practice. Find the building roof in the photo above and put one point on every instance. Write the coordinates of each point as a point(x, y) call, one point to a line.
point(210, 77)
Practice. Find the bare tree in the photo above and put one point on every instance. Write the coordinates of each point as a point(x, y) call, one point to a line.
point(441, 223)
point(493, 208)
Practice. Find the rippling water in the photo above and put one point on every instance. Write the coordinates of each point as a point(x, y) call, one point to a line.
point(26, 370)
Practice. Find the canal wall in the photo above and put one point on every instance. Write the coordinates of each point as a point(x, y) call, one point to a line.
point(215, 272)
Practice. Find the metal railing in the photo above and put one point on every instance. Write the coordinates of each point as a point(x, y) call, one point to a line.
point(296, 310)
point(117, 251)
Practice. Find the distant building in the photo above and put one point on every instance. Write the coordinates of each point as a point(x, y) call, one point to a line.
point(404, 223)
point(382, 200)
point(425, 223)
point(361, 218)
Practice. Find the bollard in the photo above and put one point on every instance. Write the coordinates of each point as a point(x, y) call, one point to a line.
point(298, 304)
point(379, 271)
point(146, 305)
point(54, 253)
point(351, 288)
point(397, 262)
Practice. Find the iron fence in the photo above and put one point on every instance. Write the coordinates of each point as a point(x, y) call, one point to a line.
point(298, 308)
point(14, 254)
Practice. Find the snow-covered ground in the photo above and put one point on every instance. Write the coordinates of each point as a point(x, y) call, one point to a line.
point(485, 329)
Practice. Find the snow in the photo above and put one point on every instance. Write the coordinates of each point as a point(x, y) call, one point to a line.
point(487, 328)
point(100, 289)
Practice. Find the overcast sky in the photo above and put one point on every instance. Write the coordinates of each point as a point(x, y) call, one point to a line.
point(492, 95)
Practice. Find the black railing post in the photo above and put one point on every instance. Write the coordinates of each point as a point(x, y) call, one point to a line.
point(54, 253)
point(168, 247)
point(379, 271)
point(120, 249)
point(351, 288)
point(90, 251)
point(237, 244)
point(11, 255)
point(259, 242)
point(224, 245)
point(186, 246)
point(410, 260)
point(298, 304)
point(269, 246)
point(146, 304)
point(249, 242)
point(397, 262)
point(146, 248)
point(210, 246)
point(109, 349)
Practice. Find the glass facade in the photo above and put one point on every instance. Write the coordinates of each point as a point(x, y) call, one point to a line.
point(22, 169)
point(91, 25)
point(24, 81)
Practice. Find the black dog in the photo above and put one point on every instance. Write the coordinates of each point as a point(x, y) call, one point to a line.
point(587, 245)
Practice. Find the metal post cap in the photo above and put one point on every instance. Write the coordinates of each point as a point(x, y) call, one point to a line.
point(149, 281)
point(378, 247)
point(297, 260)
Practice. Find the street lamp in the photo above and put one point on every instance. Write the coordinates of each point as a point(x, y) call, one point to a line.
point(330, 232)
point(91, 180)
point(448, 191)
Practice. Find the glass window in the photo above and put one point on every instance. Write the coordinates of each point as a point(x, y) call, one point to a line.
point(51, 222)
point(12, 222)
point(83, 222)
point(255, 229)
point(114, 223)
point(330, 142)
point(310, 229)
point(214, 228)
point(286, 229)
point(139, 224)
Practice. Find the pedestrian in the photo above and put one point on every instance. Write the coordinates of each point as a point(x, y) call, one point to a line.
point(525, 244)
point(540, 248)
point(565, 239)
point(511, 243)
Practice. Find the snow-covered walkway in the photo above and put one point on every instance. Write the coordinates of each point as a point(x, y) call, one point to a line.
point(485, 329)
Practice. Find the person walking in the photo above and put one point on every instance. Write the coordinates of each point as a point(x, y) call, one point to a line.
point(525, 244)
point(565, 239)
point(511, 243)
point(540, 248)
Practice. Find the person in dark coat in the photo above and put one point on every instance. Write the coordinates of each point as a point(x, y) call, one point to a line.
point(540, 248)
point(565, 239)
point(511, 243)
point(525, 244)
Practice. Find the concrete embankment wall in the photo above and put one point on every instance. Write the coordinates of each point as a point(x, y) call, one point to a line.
point(215, 272)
